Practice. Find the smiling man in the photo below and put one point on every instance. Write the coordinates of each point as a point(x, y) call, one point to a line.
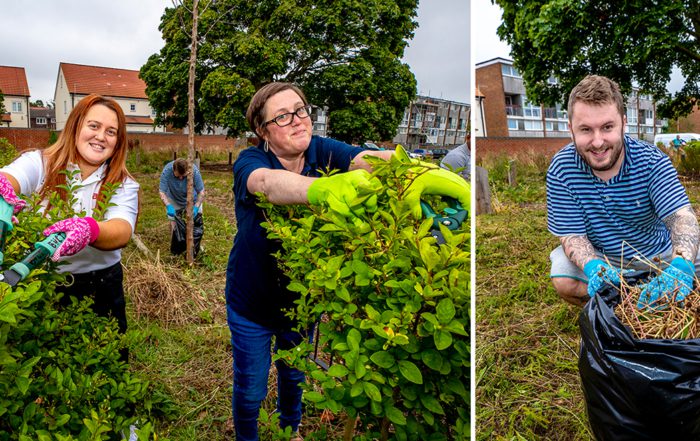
point(616, 204)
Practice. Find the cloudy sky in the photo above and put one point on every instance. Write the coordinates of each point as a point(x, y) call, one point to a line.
point(40, 34)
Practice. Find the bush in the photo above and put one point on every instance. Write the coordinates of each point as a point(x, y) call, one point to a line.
point(61, 376)
point(7, 152)
point(689, 163)
point(396, 311)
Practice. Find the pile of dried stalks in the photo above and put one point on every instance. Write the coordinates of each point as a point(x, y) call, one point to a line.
point(669, 320)
point(161, 293)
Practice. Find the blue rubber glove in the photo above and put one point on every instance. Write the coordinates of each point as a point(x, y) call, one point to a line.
point(170, 211)
point(674, 283)
point(196, 210)
point(346, 193)
point(600, 273)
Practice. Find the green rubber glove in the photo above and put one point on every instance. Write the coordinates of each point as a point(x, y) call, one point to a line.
point(346, 193)
point(431, 179)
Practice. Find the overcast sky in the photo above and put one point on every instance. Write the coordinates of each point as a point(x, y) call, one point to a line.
point(40, 34)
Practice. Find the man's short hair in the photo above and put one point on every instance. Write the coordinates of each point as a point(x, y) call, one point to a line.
point(596, 90)
point(180, 166)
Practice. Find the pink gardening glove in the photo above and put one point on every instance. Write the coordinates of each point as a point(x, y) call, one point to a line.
point(8, 193)
point(80, 232)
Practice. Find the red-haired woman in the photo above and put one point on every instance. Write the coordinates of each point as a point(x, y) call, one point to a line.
point(92, 148)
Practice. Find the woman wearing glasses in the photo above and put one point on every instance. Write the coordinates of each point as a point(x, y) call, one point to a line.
point(285, 167)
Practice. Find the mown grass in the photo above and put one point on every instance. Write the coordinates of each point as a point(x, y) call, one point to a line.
point(527, 339)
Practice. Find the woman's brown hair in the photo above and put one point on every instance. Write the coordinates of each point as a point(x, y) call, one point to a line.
point(65, 150)
point(254, 114)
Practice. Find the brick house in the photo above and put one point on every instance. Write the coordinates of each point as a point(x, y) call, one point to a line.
point(42, 118)
point(76, 81)
point(14, 88)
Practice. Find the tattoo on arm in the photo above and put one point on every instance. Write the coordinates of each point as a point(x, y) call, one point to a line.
point(685, 233)
point(578, 249)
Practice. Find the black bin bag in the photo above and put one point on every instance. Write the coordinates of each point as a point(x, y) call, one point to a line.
point(178, 241)
point(636, 389)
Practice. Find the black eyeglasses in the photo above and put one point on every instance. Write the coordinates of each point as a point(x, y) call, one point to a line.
point(286, 119)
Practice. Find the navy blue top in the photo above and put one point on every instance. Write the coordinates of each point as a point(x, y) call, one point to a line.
point(255, 286)
point(622, 217)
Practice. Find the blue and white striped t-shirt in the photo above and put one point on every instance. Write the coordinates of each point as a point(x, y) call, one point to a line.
point(623, 216)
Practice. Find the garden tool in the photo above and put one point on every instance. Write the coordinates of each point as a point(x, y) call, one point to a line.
point(6, 211)
point(452, 217)
point(42, 251)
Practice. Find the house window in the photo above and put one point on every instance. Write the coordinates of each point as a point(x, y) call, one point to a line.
point(512, 124)
point(40, 121)
point(65, 107)
point(16, 106)
point(132, 107)
point(509, 71)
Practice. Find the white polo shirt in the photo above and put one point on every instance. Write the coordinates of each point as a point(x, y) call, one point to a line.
point(29, 171)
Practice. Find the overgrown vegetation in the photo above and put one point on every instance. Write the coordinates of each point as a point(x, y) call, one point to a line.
point(527, 382)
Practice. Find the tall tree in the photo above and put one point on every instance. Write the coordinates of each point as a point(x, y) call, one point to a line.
point(345, 54)
point(633, 42)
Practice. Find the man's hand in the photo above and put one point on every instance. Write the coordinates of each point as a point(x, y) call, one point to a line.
point(343, 192)
point(600, 273)
point(195, 210)
point(429, 178)
point(674, 283)
point(170, 212)
point(80, 232)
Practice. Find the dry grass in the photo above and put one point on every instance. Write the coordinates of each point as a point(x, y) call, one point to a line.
point(670, 319)
point(163, 293)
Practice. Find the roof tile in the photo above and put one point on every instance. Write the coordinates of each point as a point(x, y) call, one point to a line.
point(106, 81)
point(13, 81)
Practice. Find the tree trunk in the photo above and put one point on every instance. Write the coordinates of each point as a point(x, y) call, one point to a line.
point(190, 137)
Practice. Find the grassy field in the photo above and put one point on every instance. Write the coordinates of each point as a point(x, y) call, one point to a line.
point(527, 340)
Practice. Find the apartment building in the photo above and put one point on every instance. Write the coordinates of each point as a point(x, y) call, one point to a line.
point(76, 81)
point(14, 88)
point(432, 121)
point(509, 113)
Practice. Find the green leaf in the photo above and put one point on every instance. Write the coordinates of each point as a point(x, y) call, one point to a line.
point(372, 391)
point(313, 396)
point(445, 310)
point(22, 384)
point(410, 372)
point(383, 359)
point(353, 339)
point(338, 370)
point(432, 359)
point(443, 339)
point(431, 403)
point(396, 416)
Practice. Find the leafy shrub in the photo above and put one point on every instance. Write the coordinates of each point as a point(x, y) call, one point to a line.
point(61, 377)
point(396, 309)
point(689, 163)
point(7, 152)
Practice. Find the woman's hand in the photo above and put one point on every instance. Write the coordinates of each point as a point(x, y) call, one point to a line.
point(80, 232)
point(341, 192)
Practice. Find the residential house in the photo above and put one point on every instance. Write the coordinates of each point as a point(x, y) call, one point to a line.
point(14, 88)
point(42, 118)
point(76, 81)
point(432, 121)
point(509, 113)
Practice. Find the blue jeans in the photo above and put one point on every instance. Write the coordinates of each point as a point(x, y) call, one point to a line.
point(251, 367)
